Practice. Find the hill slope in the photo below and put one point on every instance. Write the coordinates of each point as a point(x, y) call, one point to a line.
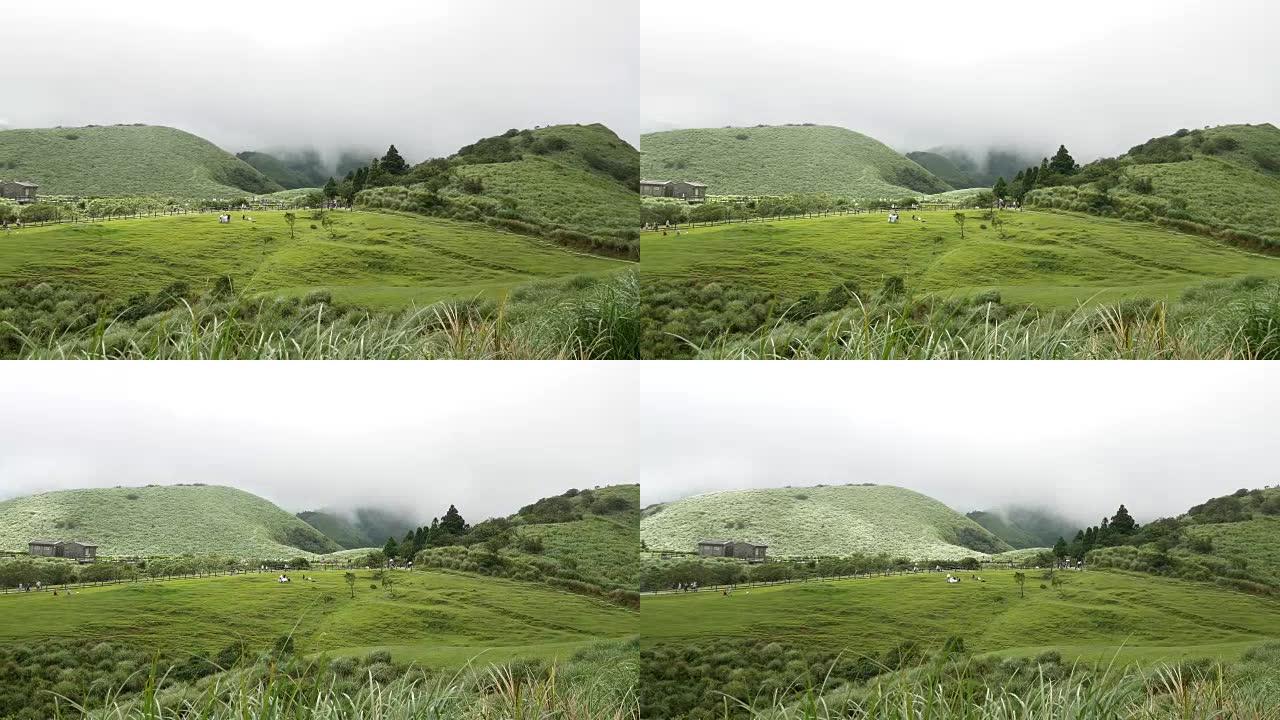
point(1222, 181)
point(944, 169)
point(161, 520)
point(1024, 527)
point(368, 527)
point(821, 521)
point(785, 159)
point(126, 160)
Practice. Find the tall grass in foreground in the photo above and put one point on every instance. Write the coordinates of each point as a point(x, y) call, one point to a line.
point(1248, 691)
point(578, 690)
point(1239, 320)
point(587, 319)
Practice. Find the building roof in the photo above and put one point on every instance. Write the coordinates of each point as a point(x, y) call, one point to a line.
point(44, 542)
point(695, 184)
point(655, 182)
point(714, 542)
point(81, 543)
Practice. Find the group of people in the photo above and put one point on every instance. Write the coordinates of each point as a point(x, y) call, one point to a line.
point(687, 587)
point(283, 578)
point(28, 587)
point(17, 225)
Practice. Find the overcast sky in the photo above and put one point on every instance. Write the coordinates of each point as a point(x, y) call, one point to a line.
point(489, 437)
point(1078, 437)
point(248, 74)
point(1098, 75)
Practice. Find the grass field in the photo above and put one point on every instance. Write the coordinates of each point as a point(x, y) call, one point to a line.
point(1047, 259)
point(1094, 615)
point(821, 521)
point(161, 520)
point(373, 260)
point(434, 619)
point(781, 160)
point(123, 160)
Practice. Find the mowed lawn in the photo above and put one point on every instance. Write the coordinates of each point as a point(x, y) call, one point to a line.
point(376, 260)
point(434, 619)
point(1095, 615)
point(1046, 259)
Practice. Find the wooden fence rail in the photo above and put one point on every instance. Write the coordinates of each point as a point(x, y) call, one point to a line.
point(315, 567)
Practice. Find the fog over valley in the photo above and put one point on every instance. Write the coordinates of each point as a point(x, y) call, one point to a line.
point(309, 437)
point(1078, 439)
point(429, 77)
point(1100, 77)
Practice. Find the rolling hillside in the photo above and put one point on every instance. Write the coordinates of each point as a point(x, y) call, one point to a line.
point(821, 521)
point(942, 167)
point(1024, 527)
point(122, 160)
point(161, 520)
point(598, 532)
point(1222, 181)
point(785, 159)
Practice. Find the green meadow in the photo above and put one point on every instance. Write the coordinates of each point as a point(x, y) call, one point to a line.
point(1043, 259)
point(372, 260)
point(434, 619)
point(1092, 615)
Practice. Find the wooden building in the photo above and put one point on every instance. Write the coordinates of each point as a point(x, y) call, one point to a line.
point(656, 188)
point(23, 192)
point(693, 192)
point(750, 552)
point(73, 549)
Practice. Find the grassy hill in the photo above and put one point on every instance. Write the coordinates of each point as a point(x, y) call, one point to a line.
point(373, 260)
point(821, 521)
point(282, 174)
point(583, 540)
point(336, 528)
point(786, 638)
point(943, 168)
point(122, 160)
point(161, 520)
point(1025, 527)
point(982, 170)
point(1222, 181)
point(1233, 540)
point(785, 159)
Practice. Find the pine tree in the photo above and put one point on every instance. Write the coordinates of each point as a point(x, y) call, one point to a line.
point(392, 163)
point(1062, 162)
point(1001, 189)
point(1122, 523)
point(452, 522)
point(1060, 548)
point(390, 549)
point(331, 189)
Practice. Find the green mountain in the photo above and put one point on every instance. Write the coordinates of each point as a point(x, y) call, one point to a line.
point(123, 160)
point(573, 184)
point(1025, 527)
point(161, 520)
point(821, 521)
point(1223, 182)
point(983, 171)
point(785, 159)
point(944, 169)
point(1232, 540)
point(368, 527)
point(287, 176)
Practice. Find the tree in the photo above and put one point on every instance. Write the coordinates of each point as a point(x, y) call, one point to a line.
point(1060, 549)
point(331, 189)
point(1021, 579)
point(1062, 162)
point(997, 222)
point(960, 218)
point(392, 163)
point(350, 577)
point(1001, 189)
point(1122, 523)
point(291, 219)
point(389, 583)
point(452, 522)
point(391, 550)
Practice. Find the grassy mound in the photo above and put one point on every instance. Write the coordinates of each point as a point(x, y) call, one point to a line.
point(821, 521)
point(123, 160)
point(373, 260)
point(1222, 182)
point(783, 160)
point(161, 520)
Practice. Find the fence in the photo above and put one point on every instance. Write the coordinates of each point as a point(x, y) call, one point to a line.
point(229, 572)
point(168, 212)
point(798, 216)
point(787, 581)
